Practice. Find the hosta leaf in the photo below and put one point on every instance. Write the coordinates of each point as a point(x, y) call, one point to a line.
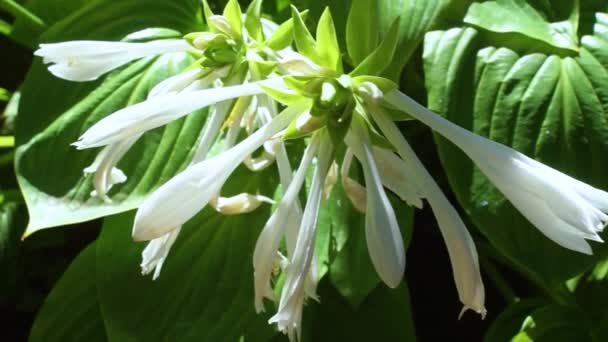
point(205, 290)
point(105, 19)
point(498, 16)
point(509, 322)
point(549, 107)
point(50, 170)
point(71, 311)
point(384, 315)
point(417, 17)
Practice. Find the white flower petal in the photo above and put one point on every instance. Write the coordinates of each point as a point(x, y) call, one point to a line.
point(384, 241)
point(268, 242)
point(460, 245)
point(572, 209)
point(176, 83)
point(294, 293)
point(155, 253)
point(178, 200)
point(104, 167)
point(87, 60)
point(397, 176)
point(157, 112)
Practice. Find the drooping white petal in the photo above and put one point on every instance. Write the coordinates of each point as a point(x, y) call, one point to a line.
point(571, 208)
point(268, 242)
point(104, 168)
point(178, 200)
point(384, 241)
point(159, 111)
point(459, 243)
point(155, 253)
point(87, 60)
point(289, 316)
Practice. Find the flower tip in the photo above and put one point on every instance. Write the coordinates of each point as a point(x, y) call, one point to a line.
point(481, 311)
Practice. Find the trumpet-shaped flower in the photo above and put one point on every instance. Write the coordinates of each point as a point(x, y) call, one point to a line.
point(564, 209)
point(87, 60)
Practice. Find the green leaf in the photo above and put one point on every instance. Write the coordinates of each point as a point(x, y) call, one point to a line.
point(509, 322)
point(554, 323)
point(5, 28)
point(327, 42)
point(376, 62)
point(362, 31)
point(283, 36)
point(232, 12)
point(253, 20)
point(49, 170)
point(384, 315)
point(498, 16)
point(71, 312)
point(417, 18)
point(11, 228)
point(549, 107)
point(304, 41)
point(205, 290)
point(106, 19)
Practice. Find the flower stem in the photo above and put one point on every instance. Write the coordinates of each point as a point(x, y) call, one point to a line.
point(22, 13)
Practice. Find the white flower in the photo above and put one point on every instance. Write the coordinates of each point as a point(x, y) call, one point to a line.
point(178, 200)
point(564, 209)
point(459, 243)
point(297, 278)
point(104, 167)
point(239, 204)
point(267, 247)
point(86, 60)
point(159, 111)
point(384, 241)
point(155, 253)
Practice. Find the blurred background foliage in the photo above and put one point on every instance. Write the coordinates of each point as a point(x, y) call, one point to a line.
point(538, 83)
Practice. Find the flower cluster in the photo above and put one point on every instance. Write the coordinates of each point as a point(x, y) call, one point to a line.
point(255, 83)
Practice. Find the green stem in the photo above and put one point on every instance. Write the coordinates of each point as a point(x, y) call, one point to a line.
point(22, 13)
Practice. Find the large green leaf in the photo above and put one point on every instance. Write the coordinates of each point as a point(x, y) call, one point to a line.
point(50, 170)
point(384, 315)
point(552, 108)
point(71, 311)
point(104, 19)
point(205, 290)
point(369, 21)
point(559, 30)
point(510, 321)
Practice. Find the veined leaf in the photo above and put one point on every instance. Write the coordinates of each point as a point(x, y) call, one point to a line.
point(71, 312)
point(498, 16)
